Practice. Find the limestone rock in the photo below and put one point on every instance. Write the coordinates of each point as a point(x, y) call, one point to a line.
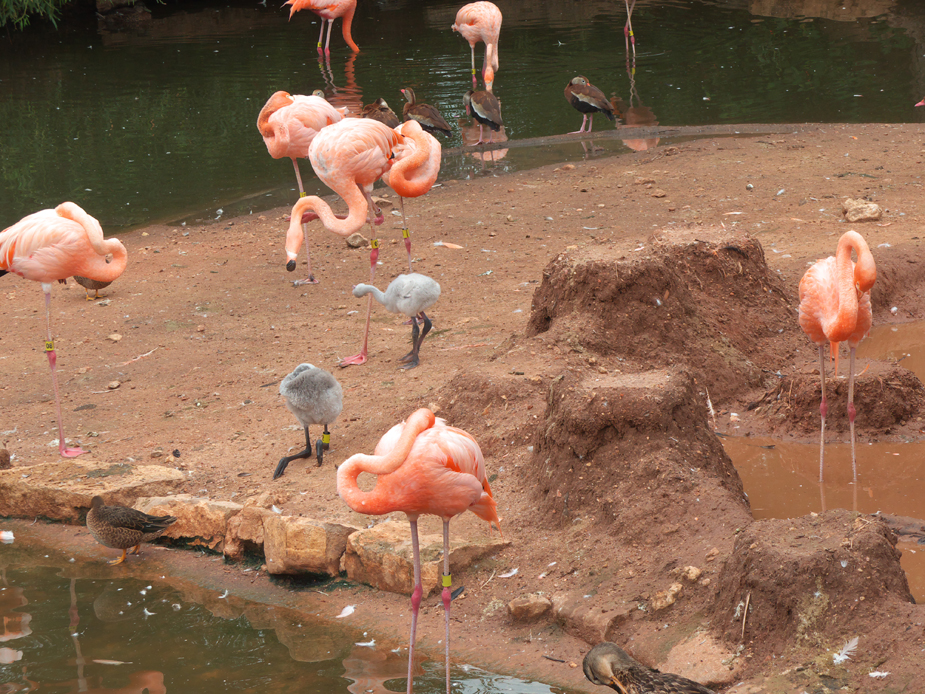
point(666, 598)
point(861, 211)
point(591, 623)
point(357, 240)
point(691, 574)
point(244, 532)
point(202, 520)
point(702, 658)
point(62, 490)
point(381, 557)
point(528, 608)
point(294, 545)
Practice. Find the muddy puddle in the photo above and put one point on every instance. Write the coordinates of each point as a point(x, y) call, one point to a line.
point(782, 481)
point(69, 625)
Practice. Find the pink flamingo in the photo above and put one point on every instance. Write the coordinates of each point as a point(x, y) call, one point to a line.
point(329, 10)
point(835, 307)
point(349, 157)
point(422, 466)
point(288, 125)
point(481, 21)
point(414, 171)
point(628, 35)
point(53, 245)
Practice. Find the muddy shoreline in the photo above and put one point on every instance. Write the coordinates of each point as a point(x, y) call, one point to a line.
point(208, 324)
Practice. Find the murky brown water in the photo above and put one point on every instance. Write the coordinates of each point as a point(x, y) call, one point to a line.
point(782, 481)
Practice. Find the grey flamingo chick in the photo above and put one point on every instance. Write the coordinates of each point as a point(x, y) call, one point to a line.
point(123, 528)
point(315, 397)
point(410, 295)
point(609, 665)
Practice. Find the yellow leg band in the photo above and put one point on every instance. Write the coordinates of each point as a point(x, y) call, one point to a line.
point(326, 438)
point(49, 345)
point(302, 194)
point(447, 580)
point(405, 234)
point(374, 243)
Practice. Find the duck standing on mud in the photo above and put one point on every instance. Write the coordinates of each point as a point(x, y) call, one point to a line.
point(609, 665)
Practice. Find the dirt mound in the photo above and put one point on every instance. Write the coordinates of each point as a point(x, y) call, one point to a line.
point(702, 297)
point(885, 396)
point(808, 582)
point(627, 448)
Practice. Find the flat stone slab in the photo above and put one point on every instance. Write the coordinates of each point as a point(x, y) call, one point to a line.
point(62, 490)
point(294, 545)
point(202, 520)
point(381, 557)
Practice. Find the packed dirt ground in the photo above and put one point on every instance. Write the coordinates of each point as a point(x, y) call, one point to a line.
point(589, 313)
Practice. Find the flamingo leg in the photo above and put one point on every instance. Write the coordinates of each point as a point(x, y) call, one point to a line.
point(307, 453)
point(584, 119)
point(321, 36)
point(358, 359)
point(851, 415)
point(475, 82)
point(412, 358)
point(416, 595)
point(405, 232)
point(327, 43)
point(63, 450)
point(447, 595)
point(823, 410)
point(628, 35)
point(311, 277)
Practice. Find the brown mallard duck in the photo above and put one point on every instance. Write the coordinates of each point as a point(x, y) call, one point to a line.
point(379, 110)
point(587, 100)
point(609, 665)
point(428, 116)
point(123, 528)
point(89, 284)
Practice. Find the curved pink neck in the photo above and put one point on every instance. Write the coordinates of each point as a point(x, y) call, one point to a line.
point(345, 226)
point(414, 174)
point(345, 28)
point(852, 280)
point(95, 267)
point(350, 469)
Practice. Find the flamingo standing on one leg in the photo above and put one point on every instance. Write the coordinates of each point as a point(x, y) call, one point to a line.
point(53, 245)
point(835, 307)
point(288, 125)
point(415, 170)
point(349, 157)
point(423, 466)
point(329, 10)
point(481, 21)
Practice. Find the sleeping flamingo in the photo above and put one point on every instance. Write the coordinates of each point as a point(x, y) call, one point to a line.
point(329, 10)
point(422, 466)
point(288, 125)
point(349, 157)
point(53, 245)
point(415, 170)
point(835, 307)
point(481, 21)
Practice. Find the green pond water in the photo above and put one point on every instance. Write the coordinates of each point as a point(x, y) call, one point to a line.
point(154, 120)
point(73, 626)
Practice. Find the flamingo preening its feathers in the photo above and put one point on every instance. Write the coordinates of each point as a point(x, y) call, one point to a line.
point(53, 245)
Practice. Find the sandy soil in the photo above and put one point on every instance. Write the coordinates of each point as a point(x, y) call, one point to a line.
point(205, 323)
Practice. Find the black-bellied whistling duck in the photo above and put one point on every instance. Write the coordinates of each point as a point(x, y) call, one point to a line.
point(379, 110)
point(588, 100)
point(428, 116)
point(486, 109)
